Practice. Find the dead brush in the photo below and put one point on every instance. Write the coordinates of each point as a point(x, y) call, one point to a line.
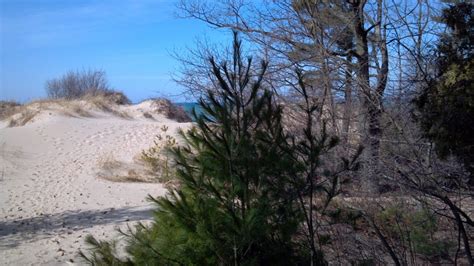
point(157, 160)
point(77, 109)
point(104, 104)
point(148, 115)
point(116, 171)
point(22, 118)
point(9, 108)
point(108, 163)
point(74, 109)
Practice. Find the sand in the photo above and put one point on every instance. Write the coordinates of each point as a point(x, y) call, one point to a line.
point(50, 194)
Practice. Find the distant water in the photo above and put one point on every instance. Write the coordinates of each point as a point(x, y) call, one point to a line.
point(189, 106)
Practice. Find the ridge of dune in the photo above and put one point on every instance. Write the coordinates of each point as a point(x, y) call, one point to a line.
point(50, 195)
point(91, 106)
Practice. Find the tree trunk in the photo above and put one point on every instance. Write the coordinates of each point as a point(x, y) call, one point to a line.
point(372, 96)
point(370, 103)
point(346, 120)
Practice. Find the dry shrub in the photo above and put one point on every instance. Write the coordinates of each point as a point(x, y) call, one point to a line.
point(79, 84)
point(107, 97)
point(413, 231)
point(74, 109)
point(8, 108)
point(106, 103)
point(22, 118)
point(157, 160)
point(113, 170)
point(20, 115)
point(77, 109)
point(147, 115)
point(116, 97)
point(108, 162)
point(170, 110)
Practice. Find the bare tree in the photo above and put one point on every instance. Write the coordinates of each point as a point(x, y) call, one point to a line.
point(351, 49)
point(368, 56)
point(75, 84)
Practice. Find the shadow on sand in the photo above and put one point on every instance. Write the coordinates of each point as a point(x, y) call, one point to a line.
point(14, 232)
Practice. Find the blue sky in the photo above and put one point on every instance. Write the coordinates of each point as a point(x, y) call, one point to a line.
point(132, 40)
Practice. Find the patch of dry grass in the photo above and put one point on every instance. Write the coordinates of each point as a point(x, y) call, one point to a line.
point(19, 115)
point(105, 104)
point(77, 109)
point(86, 106)
point(8, 108)
point(117, 171)
point(170, 110)
point(151, 165)
point(74, 109)
point(22, 118)
point(111, 97)
point(156, 158)
point(147, 115)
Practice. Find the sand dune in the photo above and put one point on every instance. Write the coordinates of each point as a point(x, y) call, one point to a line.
point(50, 195)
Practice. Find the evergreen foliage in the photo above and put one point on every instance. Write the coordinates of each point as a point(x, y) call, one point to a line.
point(447, 102)
point(414, 230)
point(231, 202)
point(246, 187)
point(232, 205)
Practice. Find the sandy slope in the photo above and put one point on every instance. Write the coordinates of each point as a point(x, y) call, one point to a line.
point(50, 197)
